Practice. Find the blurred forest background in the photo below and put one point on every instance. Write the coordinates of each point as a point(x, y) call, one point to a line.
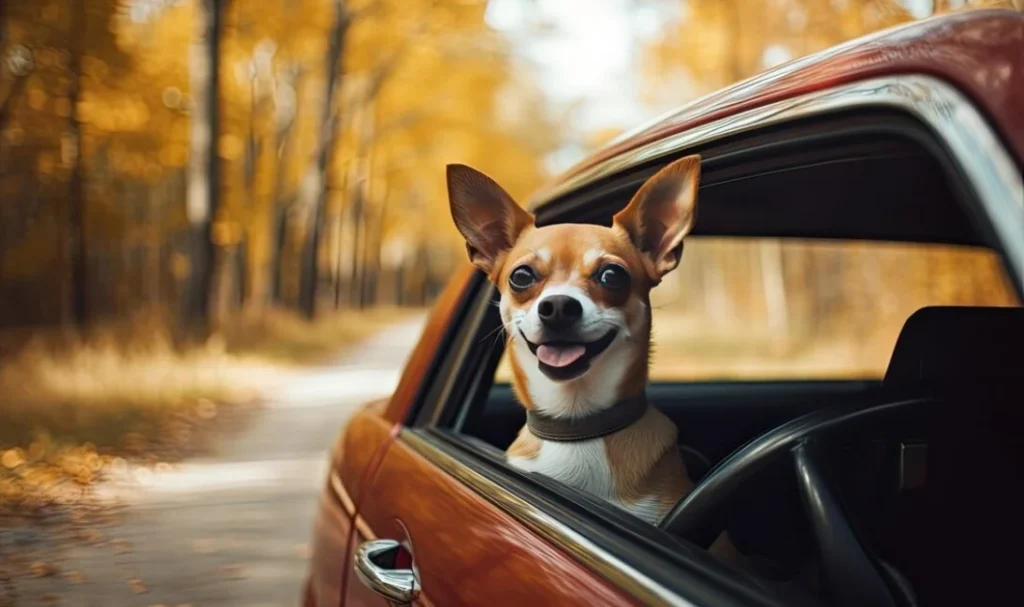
point(192, 191)
point(195, 159)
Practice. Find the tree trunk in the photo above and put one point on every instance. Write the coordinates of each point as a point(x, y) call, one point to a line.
point(279, 228)
point(7, 103)
point(367, 273)
point(279, 242)
point(773, 283)
point(358, 219)
point(359, 187)
point(261, 238)
point(372, 256)
point(314, 188)
point(75, 242)
point(204, 165)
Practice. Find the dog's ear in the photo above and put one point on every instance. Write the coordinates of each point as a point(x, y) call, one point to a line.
point(486, 215)
point(662, 212)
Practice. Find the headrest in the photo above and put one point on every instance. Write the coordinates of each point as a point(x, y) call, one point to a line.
point(953, 345)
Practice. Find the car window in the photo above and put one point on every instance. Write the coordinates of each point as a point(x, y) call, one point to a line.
point(791, 309)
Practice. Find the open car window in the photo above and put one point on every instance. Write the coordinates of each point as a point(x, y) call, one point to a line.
point(766, 309)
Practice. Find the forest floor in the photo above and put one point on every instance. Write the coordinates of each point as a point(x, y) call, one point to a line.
point(227, 526)
point(72, 409)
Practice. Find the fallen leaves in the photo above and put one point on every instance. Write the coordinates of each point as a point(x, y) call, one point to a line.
point(91, 536)
point(137, 586)
point(205, 409)
point(48, 473)
point(12, 458)
point(43, 569)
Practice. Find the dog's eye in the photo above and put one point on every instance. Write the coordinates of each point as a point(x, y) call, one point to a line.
point(613, 276)
point(522, 278)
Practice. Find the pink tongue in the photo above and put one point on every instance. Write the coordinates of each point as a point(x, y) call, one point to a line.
point(560, 356)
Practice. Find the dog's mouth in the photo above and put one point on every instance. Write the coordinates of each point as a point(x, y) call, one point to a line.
point(564, 360)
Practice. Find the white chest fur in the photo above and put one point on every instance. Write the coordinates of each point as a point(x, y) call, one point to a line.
point(584, 466)
point(581, 465)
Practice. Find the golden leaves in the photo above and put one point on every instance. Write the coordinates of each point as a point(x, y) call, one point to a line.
point(36, 98)
point(62, 107)
point(12, 458)
point(717, 42)
point(439, 72)
point(226, 233)
point(138, 586)
point(173, 155)
point(230, 146)
point(44, 569)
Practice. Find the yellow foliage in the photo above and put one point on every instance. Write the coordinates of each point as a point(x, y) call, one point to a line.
point(714, 43)
point(718, 42)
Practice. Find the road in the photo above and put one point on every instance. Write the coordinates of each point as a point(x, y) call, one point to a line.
point(228, 530)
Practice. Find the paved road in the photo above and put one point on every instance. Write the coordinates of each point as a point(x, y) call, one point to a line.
point(228, 530)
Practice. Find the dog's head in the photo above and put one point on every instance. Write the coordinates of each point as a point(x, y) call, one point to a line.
point(575, 297)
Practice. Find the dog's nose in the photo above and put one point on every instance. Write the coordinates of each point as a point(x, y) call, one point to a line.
point(559, 312)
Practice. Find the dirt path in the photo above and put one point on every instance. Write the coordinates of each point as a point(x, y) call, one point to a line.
point(227, 530)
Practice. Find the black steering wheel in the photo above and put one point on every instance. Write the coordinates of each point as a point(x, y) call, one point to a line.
point(851, 573)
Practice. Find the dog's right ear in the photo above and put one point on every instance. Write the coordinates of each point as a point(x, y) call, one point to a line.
point(661, 213)
point(486, 215)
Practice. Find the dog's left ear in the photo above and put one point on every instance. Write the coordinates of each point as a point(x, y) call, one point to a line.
point(662, 212)
point(486, 215)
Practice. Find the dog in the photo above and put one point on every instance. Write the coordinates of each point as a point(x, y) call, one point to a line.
point(575, 302)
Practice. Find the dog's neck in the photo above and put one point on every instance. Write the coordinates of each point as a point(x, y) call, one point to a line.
point(599, 424)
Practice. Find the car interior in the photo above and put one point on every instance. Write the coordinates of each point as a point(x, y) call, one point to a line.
point(912, 484)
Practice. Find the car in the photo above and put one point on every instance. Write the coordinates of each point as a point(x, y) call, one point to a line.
point(871, 463)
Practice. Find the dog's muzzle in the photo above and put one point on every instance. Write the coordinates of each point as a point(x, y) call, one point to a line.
point(562, 360)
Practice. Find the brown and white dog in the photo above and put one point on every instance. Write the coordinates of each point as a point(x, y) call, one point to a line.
point(576, 308)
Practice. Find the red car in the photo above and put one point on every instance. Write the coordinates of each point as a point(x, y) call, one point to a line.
point(871, 463)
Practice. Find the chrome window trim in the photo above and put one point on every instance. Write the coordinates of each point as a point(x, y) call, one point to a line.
point(338, 487)
point(977, 149)
point(600, 561)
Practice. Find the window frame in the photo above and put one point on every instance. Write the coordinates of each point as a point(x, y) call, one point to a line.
point(645, 562)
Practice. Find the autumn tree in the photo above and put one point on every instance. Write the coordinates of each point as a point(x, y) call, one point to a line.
point(202, 192)
point(47, 48)
point(192, 127)
point(445, 89)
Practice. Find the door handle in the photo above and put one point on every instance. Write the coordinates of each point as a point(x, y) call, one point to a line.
point(375, 566)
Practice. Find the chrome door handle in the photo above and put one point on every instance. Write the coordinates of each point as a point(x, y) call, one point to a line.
point(374, 566)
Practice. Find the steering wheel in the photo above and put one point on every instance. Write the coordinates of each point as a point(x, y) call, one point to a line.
point(851, 573)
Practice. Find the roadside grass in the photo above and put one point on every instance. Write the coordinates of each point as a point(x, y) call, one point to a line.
point(72, 408)
point(287, 339)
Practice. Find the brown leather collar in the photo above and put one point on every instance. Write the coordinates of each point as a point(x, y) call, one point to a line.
point(569, 430)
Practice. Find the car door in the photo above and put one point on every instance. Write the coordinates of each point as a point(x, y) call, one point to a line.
point(444, 516)
point(454, 529)
point(464, 549)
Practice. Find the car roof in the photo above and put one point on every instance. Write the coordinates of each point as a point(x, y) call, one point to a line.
point(980, 52)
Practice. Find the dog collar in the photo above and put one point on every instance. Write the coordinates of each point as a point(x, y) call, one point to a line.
point(602, 423)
